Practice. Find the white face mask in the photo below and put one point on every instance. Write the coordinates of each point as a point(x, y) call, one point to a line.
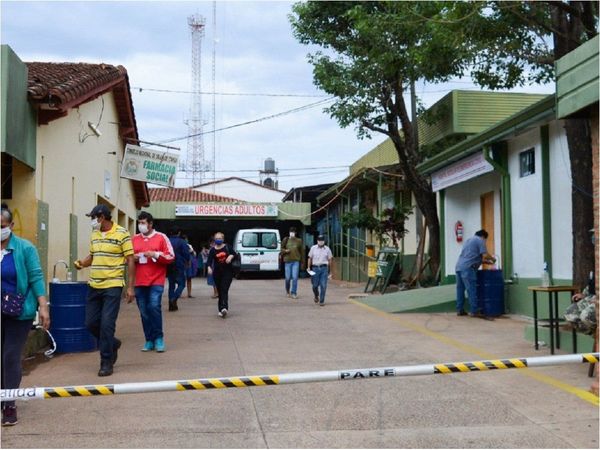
point(143, 228)
point(95, 224)
point(320, 243)
point(6, 231)
point(292, 234)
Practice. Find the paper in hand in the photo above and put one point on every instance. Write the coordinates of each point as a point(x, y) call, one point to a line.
point(310, 272)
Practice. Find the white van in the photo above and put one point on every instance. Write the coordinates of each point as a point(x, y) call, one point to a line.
point(258, 249)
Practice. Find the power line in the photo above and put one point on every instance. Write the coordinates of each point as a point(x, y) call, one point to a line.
point(285, 170)
point(284, 113)
point(237, 94)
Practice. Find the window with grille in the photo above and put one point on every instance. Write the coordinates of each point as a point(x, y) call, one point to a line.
point(527, 162)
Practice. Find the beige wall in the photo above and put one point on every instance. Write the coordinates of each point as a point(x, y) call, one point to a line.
point(23, 203)
point(71, 163)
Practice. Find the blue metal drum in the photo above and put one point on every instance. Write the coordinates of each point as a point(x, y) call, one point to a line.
point(67, 315)
point(490, 292)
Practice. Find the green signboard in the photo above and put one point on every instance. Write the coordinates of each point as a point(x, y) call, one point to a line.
point(386, 262)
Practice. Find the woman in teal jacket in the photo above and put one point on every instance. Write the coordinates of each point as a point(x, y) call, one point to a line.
point(21, 274)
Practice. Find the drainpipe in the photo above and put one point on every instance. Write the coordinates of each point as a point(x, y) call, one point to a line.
point(506, 211)
point(546, 204)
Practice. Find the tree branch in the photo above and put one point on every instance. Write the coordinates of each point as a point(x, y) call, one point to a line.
point(372, 127)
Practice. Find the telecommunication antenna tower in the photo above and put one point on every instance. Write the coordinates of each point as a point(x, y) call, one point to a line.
point(195, 163)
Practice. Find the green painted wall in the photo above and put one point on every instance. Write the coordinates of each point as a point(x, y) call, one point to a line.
point(519, 299)
point(577, 75)
point(18, 125)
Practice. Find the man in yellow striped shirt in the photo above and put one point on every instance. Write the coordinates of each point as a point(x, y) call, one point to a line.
point(111, 251)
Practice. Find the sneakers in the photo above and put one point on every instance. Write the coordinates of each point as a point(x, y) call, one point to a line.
point(173, 306)
point(116, 347)
point(461, 313)
point(159, 345)
point(9, 416)
point(223, 312)
point(294, 296)
point(288, 295)
point(322, 304)
point(106, 368)
point(220, 314)
point(148, 346)
point(316, 299)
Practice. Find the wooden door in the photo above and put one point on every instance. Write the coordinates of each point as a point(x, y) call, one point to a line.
point(487, 223)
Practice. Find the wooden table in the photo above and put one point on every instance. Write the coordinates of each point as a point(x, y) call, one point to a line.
point(553, 309)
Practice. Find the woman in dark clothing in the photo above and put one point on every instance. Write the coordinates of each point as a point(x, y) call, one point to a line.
point(219, 266)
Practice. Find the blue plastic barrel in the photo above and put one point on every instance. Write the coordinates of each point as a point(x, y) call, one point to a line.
point(490, 292)
point(67, 317)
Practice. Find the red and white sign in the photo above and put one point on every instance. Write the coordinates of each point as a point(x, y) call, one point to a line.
point(463, 170)
point(228, 210)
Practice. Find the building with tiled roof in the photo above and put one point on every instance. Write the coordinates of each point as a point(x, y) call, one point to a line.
point(242, 189)
point(186, 195)
point(64, 130)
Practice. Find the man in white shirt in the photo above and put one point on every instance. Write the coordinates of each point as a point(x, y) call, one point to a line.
point(320, 261)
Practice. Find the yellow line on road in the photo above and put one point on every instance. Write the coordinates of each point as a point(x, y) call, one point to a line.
point(584, 395)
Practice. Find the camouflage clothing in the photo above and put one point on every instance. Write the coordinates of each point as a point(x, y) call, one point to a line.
point(582, 314)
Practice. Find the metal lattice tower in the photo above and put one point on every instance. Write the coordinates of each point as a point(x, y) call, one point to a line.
point(195, 163)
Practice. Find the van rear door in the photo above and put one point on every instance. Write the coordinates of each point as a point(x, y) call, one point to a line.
point(259, 250)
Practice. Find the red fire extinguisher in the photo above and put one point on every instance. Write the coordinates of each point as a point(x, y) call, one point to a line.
point(458, 231)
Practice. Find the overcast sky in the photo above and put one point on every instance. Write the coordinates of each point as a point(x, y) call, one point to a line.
point(255, 53)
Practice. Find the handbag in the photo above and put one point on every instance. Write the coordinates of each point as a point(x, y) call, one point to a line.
point(236, 263)
point(12, 304)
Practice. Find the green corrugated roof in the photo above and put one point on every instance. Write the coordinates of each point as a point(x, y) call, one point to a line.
point(462, 112)
point(539, 111)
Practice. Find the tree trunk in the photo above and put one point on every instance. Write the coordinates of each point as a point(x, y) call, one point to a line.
point(580, 155)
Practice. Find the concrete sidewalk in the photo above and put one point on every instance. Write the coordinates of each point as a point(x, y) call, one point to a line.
point(266, 333)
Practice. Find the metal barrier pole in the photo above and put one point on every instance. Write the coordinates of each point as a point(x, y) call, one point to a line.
point(292, 378)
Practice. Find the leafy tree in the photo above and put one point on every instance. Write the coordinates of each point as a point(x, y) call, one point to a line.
point(369, 54)
point(388, 227)
point(517, 43)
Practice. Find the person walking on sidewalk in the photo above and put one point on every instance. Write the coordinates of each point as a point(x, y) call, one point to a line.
point(21, 274)
point(210, 280)
point(320, 260)
point(473, 253)
point(219, 266)
point(192, 269)
point(177, 271)
point(292, 250)
point(153, 253)
point(110, 252)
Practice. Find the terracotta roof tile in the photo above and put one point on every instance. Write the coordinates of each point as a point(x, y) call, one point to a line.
point(64, 83)
point(186, 195)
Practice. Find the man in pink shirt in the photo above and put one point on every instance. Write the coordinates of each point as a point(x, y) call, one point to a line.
point(153, 253)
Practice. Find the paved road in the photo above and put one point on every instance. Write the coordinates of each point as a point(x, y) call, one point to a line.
point(268, 333)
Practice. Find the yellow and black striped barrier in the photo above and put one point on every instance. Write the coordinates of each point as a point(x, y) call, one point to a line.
point(291, 378)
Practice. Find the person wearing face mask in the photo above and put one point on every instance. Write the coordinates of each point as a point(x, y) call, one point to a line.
point(292, 251)
point(21, 274)
point(152, 253)
point(219, 266)
point(111, 251)
point(320, 261)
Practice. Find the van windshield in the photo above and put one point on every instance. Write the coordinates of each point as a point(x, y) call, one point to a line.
point(258, 239)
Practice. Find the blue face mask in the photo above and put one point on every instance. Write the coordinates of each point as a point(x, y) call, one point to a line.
point(218, 241)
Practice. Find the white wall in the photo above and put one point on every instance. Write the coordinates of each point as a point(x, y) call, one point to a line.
point(526, 198)
point(70, 174)
point(241, 190)
point(527, 218)
point(560, 201)
point(463, 202)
